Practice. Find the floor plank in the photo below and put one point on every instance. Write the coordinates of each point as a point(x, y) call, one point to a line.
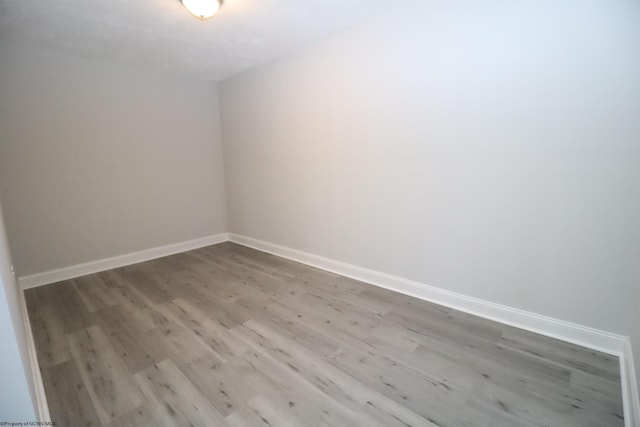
point(109, 383)
point(70, 399)
point(178, 400)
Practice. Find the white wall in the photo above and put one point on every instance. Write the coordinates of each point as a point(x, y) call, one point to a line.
point(17, 388)
point(489, 148)
point(98, 160)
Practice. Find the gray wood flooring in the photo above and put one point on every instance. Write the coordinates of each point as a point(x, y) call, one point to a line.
point(229, 336)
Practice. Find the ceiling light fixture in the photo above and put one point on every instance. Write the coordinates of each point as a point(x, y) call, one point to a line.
point(202, 9)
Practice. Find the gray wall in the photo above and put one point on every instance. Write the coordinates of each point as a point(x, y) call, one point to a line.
point(98, 160)
point(17, 390)
point(488, 148)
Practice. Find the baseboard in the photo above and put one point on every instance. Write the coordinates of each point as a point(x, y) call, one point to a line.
point(40, 398)
point(97, 266)
point(566, 331)
point(630, 392)
point(595, 339)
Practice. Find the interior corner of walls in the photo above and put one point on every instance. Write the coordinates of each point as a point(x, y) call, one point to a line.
point(182, 187)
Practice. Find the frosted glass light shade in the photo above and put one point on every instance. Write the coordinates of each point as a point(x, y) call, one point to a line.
point(202, 9)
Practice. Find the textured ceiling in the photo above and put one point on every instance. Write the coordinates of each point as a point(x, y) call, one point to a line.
point(161, 34)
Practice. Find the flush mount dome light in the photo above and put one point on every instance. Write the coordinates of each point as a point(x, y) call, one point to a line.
point(202, 9)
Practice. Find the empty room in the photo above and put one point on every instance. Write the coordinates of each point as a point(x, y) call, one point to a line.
point(320, 213)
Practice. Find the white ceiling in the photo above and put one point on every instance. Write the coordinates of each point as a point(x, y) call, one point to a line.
point(161, 34)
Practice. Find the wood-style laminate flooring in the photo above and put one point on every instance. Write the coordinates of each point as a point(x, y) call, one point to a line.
point(229, 336)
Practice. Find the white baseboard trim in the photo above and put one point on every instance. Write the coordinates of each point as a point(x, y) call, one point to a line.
point(555, 328)
point(630, 391)
point(595, 339)
point(78, 270)
point(40, 398)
